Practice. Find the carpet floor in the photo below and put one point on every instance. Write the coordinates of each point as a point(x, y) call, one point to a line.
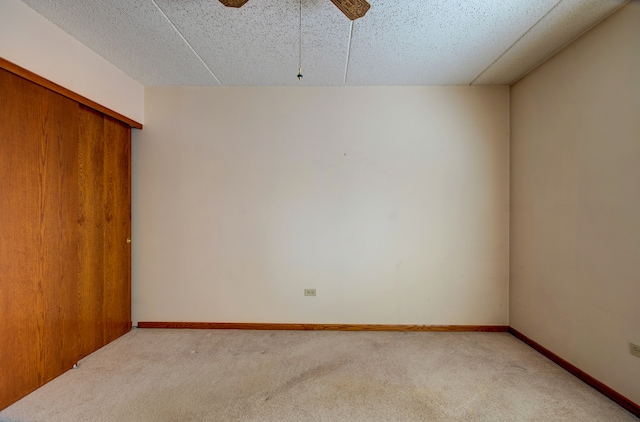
point(208, 375)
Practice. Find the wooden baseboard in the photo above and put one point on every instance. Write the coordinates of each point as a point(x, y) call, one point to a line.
point(578, 373)
point(328, 327)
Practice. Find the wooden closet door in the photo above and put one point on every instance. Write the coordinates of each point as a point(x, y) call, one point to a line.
point(65, 217)
point(38, 236)
point(104, 151)
point(91, 231)
point(117, 299)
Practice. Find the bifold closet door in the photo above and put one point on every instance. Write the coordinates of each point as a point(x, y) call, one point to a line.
point(104, 153)
point(39, 317)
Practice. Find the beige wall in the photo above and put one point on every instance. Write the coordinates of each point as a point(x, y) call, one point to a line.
point(29, 40)
point(391, 201)
point(575, 203)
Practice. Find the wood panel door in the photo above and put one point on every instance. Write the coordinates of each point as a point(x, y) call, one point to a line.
point(65, 217)
point(117, 277)
point(38, 238)
point(104, 151)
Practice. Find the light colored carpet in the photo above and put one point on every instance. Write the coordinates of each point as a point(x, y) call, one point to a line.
point(207, 375)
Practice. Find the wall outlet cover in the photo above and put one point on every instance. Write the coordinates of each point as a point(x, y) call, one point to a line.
point(309, 292)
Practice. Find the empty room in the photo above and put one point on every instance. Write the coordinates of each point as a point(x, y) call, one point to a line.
point(319, 210)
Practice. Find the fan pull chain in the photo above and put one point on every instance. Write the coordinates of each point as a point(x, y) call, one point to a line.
point(300, 45)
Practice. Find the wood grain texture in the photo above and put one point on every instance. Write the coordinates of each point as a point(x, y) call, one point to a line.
point(58, 238)
point(117, 251)
point(104, 224)
point(65, 212)
point(37, 250)
point(91, 229)
point(30, 76)
point(601, 387)
point(329, 327)
point(20, 296)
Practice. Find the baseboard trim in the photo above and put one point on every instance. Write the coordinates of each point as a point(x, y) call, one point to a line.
point(325, 327)
point(578, 373)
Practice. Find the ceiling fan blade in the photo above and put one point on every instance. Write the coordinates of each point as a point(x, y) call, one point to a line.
point(353, 9)
point(233, 3)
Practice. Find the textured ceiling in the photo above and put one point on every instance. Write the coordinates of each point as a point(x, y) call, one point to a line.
point(410, 42)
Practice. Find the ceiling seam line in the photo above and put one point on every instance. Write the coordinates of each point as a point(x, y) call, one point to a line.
point(515, 42)
point(186, 42)
point(346, 65)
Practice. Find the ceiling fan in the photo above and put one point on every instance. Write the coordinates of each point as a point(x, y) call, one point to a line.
point(353, 9)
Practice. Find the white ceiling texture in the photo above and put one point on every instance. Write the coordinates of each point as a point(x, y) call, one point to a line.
point(398, 42)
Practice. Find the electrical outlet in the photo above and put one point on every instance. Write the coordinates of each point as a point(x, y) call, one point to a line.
point(309, 292)
point(634, 349)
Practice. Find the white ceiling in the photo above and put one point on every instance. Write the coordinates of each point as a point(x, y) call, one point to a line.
point(398, 42)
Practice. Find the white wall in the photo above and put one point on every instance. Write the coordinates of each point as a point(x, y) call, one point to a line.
point(391, 201)
point(32, 42)
point(575, 203)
